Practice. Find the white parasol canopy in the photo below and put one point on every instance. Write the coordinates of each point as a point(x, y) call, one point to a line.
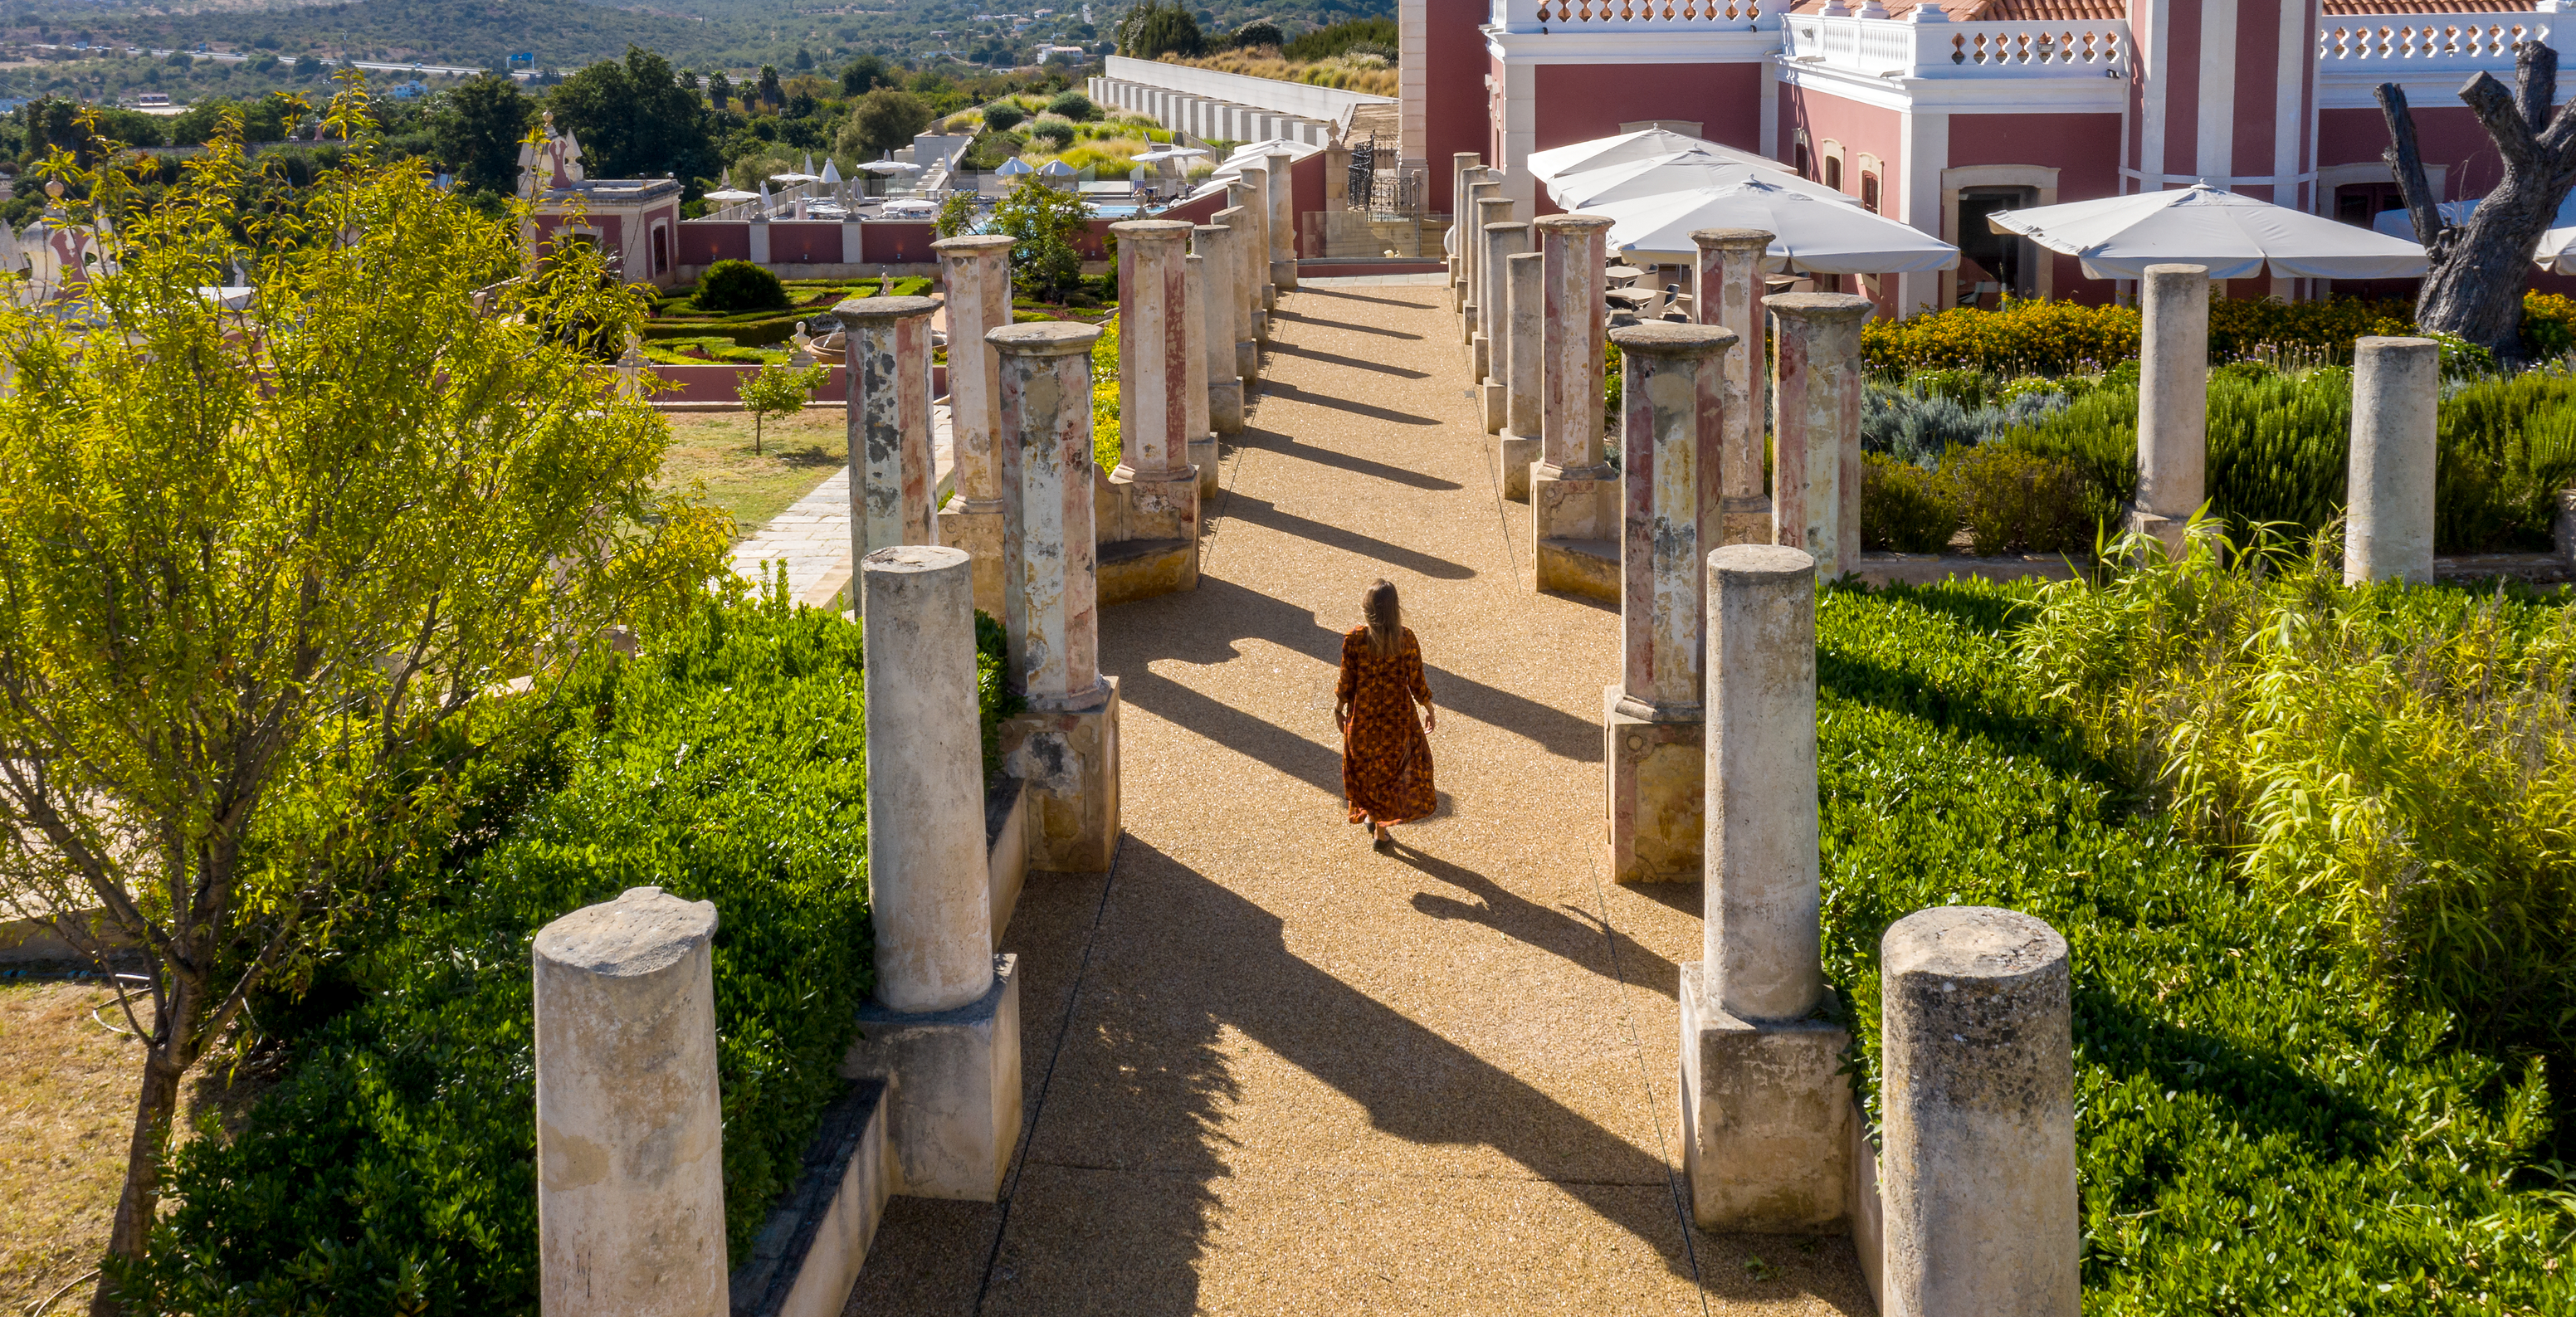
point(1057, 169)
point(2557, 253)
point(897, 167)
point(831, 171)
point(1810, 234)
point(1682, 171)
point(2237, 237)
point(795, 178)
point(1016, 165)
point(1169, 153)
point(1629, 148)
point(732, 194)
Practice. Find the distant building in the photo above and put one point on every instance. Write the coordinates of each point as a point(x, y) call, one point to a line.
point(636, 220)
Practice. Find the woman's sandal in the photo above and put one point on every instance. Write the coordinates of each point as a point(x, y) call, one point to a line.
point(1381, 839)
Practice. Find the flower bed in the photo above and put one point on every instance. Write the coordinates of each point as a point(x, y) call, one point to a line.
point(2042, 337)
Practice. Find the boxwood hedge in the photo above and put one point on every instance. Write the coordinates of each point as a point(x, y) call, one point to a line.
point(392, 1169)
point(2262, 1126)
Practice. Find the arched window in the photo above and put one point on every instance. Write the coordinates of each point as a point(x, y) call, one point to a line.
point(1806, 168)
point(1869, 192)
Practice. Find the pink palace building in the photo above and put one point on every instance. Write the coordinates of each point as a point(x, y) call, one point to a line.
point(1939, 113)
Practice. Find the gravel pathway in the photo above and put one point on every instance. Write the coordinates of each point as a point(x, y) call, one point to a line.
point(1270, 1071)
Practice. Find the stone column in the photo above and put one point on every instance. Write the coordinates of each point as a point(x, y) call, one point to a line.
point(943, 1027)
point(1815, 429)
point(1154, 479)
point(1502, 242)
point(1214, 243)
point(2173, 401)
point(1978, 1164)
point(1201, 454)
point(630, 1131)
point(1726, 289)
point(977, 270)
point(1256, 177)
point(1491, 249)
point(1066, 747)
point(1526, 310)
point(1574, 510)
point(2388, 532)
point(1481, 189)
point(1244, 291)
point(1283, 224)
point(1673, 412)
point(1462, 166)
point(1767, 1118)
point(888, 356)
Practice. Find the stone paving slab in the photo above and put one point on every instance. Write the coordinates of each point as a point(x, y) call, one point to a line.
point(1292, 1075)
point(813, 535)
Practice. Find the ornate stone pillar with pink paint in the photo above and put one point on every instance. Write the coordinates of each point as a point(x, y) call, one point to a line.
point(1726, 289)
point(888, 364)
point(1283, 223)
point(1214, 244)
point(1201, 454)
point(1154, 481)
point(977, 271)
point(1815, 431)
point(1574, 497)
point(1066, 747)
point(1244, 292)
point(1256, 177)
point(1673, 412)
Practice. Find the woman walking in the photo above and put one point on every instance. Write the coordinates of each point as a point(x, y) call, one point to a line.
point(1386, 759)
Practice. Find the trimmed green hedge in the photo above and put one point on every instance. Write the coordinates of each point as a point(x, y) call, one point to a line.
point(2263, 1125)
point(393, 1168)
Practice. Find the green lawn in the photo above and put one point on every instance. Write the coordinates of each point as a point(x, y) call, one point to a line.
point(797, 453)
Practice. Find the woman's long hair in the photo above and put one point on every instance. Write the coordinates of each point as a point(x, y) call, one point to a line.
point(1385, 618)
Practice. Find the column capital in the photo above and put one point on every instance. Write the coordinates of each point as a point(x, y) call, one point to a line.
point(1663, 338)
point(1044, 338)
point(1730, 240)
point(1821, 308)
point(1574, 225)
point(1151, 230)
point(967, 246)
point(884, 308)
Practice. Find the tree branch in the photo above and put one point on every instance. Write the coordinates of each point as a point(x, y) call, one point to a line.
point(2496, 109)
point(2535, 83)
point(2406, 161)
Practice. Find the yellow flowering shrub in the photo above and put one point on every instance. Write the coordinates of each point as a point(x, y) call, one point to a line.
point(1104, 397)
point(2024, 337)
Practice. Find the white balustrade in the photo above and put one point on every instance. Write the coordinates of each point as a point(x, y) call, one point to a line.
point(1930, 48)
point(1633, 15)
point(2430, 43)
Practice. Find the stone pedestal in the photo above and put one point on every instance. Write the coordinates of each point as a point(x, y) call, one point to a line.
point(1066, 747)
point(1573, 493)
point(2173, 401)
point(630, 1131)
point(1522, 407)
point(1767, 1116)
point(1503, 240)
point(1154, 479)
point(1213, 244)
point(1485, 186)
point(1462, 170)
point(1481, 331)
point(952, 1088)
point(1283, 224)
point(1244, 291)
point(1727, 291)
point(1672, 416)
point(888, 359)
point(1256, 178)
point(1978, 1168)
point(1815, 465)
point(1200, 453)
point(2396, 388)
point(977, 271)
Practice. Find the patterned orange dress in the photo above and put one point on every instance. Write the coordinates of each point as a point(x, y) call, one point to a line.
point(1386, 760)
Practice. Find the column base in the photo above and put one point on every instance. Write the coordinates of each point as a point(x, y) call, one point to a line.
point(1467, 325)
point(1247, 364)
point(1766, 1119)
point(1225, 408)
point(1203, 456)
point(953, 1089)
point(1657, 771)
point(1518, 451)
point(1283, 275)
point(2157, 526)
point(1574, 519)
point(1261, 323)
point(1270, 297)
point(980, 535)
point(1744, 519)
point(1069, 759)
point(1496, 399)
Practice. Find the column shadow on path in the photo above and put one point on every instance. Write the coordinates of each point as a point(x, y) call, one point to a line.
point(1347, 296)
point(1285, 349)
point(1278, 316)
point(1359, 466)
point(1282, 390)
point(1561, 931)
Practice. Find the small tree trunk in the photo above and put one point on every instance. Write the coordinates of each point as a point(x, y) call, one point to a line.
point(756, 419)
point(154, 1109)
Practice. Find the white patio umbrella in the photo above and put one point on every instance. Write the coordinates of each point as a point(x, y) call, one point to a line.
point(1169, 153)
point(809, 164)
point(902, 167)
point(1015, 166)
point(2237, 237)
point(1057, 169)
point(2557, 252)
point(765, 202)
point(795, 178)
point(1811, 234)
point(1682, 171)
point(732, 194)
point(1627, 148)
point(831, 172)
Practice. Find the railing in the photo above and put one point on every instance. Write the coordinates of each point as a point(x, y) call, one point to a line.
point(1884, 47)
point(1632, 15)
point(2431, 43)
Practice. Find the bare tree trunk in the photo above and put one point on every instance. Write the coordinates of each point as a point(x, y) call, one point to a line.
point(154, 1110)
point(2479, 269)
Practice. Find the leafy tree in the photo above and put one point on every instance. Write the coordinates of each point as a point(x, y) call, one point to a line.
point(1159, 27)
point(866, 74)
point(882, 121)
point(804, 60)
point(477, 129)
point(1045, 263)
point(1073, 105)
point(1001, 116)
point(771, 94)
point(256, 587)
point(1259, 32)
point(2473, 288)
point(719, 91)
point(634, 120)
point(956, 215)
point(775, 390)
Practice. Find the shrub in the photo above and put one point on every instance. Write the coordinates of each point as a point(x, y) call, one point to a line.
point(1073, 105)
point(1155, 28)
point(1057, 134)
point(1904, 507)
point(1001, 116)
point(1349, 35)
point(2044, 337)
point(2260, 1127)
point(1045, 264)
point(1257, 33)
point(1107, 445)
point(729, 286)
point(1931, 414)
point(2548, 325)
point(2016, 501)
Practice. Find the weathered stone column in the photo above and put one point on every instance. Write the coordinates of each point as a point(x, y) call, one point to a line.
point(888, 364)
point(1214, 245)
point(1503, 241)
point(1726, 289)
point(1066, 747)
point(630, 1130)
point(1492, 248)
point(1673, 412)
point(1525, 308)
point(1462, 167)
point(1201, 453)
point(2388, 532)
point(1154, 480)
point(1283, 223)
point(1977, 1171)
point(1815, 430)
point(2173, 401)
point(943, 1028)
point(1574, 509)
point(1257, 177)
point(1767, 1119)
point(1244, 292)
point(977, 269)
point(1486, 186)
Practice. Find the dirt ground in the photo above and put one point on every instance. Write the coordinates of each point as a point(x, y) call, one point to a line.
point(66, 1111)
